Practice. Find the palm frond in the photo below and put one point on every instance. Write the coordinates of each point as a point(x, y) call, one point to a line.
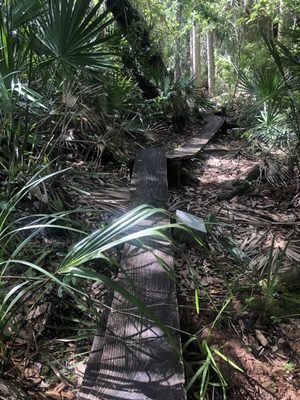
point(72, 34)
point(15, 28)
point(266, 86)
point(285, 62)
point(265, 251)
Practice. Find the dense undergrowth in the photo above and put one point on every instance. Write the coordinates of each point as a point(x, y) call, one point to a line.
point(68, 100)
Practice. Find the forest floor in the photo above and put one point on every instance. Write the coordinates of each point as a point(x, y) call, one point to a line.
point(241, 310)
point(242, 313)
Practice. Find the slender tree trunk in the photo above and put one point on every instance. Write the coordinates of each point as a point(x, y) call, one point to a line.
point(281, 23)
point(238, 35)
point(191, 52)
point(196, 59)
point(178, 57)
point(210, 63)
point(186, 68)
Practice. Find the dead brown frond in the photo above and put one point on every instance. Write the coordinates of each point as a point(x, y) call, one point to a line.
point(156, 131)
point(261, 244)
point(110, 198)
point(240, 214)
point(276, 173)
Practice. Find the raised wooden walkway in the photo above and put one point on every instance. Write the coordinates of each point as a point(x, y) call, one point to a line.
point(132, 358)
point(193, 146)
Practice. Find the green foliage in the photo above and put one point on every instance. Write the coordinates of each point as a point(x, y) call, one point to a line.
point(203, 370)
point(266, 86)
point(15, 19)
point(66, 278)
point(72, 34)
point(273, 292)
point(273, 113)
point(61, 74)
point(178, 98)
point(269, 286)
point(207, 371)
point(226, 76)
point(121, 94)
point(9, 206)
point(262, 57)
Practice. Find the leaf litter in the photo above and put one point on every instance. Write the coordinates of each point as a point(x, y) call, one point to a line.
point(236, 249)
point(255, 331)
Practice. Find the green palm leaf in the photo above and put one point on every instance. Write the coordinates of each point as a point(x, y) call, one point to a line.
point(72, 34)
point(15, 19)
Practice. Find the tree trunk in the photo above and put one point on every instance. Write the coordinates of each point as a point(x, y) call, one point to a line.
point(196, 55)
point(178, 57)
point(150, 91)
point(210, 63)
point(282, 17)
point(191, 51)
point(133, 25)
point(185, 65)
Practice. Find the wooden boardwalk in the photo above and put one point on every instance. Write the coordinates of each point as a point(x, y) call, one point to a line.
point(132, 358)
point(193, 146)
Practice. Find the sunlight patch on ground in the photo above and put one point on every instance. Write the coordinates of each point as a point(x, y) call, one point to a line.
point(218, 170)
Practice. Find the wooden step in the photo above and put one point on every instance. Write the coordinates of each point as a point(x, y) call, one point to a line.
point(134, 358)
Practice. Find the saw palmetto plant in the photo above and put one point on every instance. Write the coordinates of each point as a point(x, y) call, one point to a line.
point(274, 115)
point(15, 23)
point(42, 45)
point(275, 173)
point(71, 36)
point(178, 97)
point(266, 115)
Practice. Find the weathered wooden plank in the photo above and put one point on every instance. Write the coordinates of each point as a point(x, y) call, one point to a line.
point(93, 366)
point(149, 179)
point(193, 146)
point(137, 360)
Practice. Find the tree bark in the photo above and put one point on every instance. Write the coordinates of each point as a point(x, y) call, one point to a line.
point(282, 17)
point(191, 47)
point(196, 55)
point(210, 63)
point(150, 91)
point(178, 57)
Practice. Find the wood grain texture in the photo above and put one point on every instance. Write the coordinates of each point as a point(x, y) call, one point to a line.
point(93, 366)
point(149, 179)
point(138, 361)
point(193, 146)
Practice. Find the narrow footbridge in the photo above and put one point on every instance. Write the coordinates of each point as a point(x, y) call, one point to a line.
point(133, 357)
